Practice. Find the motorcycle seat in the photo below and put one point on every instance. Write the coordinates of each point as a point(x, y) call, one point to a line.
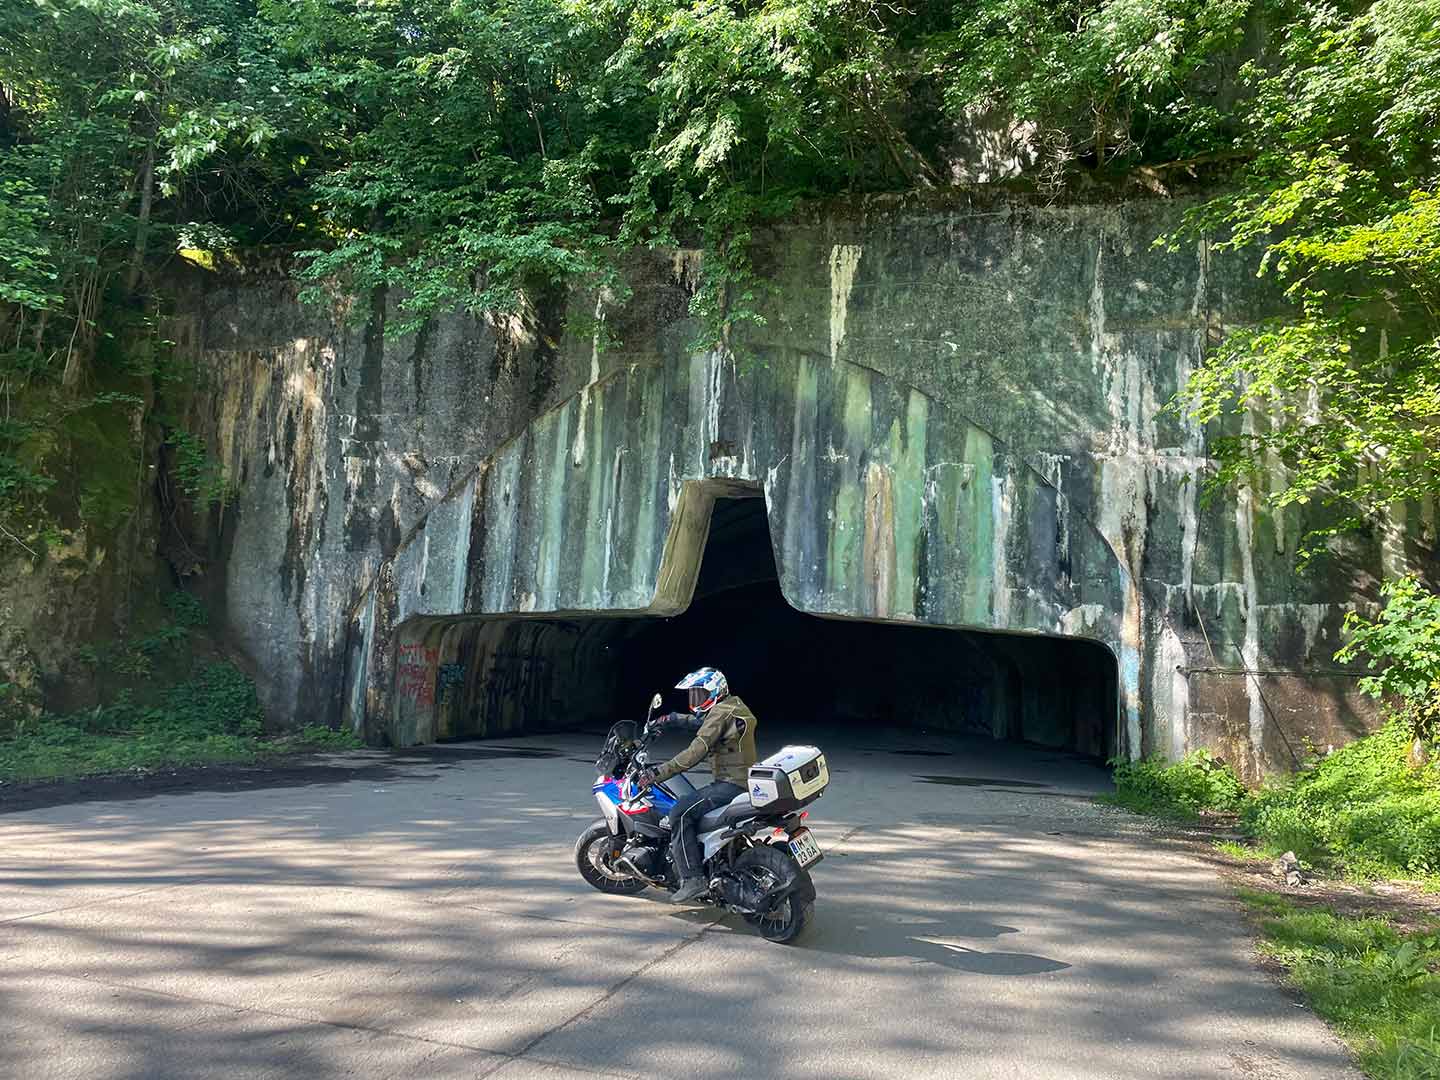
point(737, 809)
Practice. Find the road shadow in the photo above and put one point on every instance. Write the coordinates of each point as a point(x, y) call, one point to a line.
point(369, 766)
point(925, 942)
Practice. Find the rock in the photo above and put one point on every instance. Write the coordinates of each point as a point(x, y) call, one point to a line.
point(1288, 869)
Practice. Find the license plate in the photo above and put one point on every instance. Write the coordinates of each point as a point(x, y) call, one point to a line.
point(804, 848)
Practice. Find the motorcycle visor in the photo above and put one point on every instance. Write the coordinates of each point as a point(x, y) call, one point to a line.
point(698, 696)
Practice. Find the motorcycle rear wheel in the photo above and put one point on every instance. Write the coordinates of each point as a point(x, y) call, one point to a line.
point(768, 866)
point(595, 852)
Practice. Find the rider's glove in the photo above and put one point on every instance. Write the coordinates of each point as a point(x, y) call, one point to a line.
point(645, 778)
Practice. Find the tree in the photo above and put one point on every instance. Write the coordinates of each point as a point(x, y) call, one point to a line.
point(1340, 195)
point(1105, 84)
point(107, 102)
point(460, 153)
point(1405, 639)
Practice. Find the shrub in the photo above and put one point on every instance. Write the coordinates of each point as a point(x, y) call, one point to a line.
point(1405, 640)
point(1362, 808)
point(214, 716)
point(220, 697)
point(1182, 789)
point(185, 610)
point(318, 737)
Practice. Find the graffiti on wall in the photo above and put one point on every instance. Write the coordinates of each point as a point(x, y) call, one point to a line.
point(448, 678)
point(415, 674)
point(518, 686)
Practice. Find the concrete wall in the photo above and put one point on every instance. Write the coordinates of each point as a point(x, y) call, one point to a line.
point(951, 411)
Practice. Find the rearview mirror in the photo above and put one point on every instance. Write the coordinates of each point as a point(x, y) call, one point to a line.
point(655, 703)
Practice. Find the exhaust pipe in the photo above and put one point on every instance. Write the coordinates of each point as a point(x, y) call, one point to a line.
point(624, 863)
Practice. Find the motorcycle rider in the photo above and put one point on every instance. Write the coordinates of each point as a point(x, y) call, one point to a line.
point(725, 732)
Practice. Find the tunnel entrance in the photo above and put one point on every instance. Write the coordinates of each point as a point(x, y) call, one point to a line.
point(532, 674)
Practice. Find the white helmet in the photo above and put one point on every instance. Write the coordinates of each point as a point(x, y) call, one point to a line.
point(707, 687)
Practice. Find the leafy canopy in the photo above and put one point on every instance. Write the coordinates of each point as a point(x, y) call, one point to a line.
point(463, 153)
point(1340, 194)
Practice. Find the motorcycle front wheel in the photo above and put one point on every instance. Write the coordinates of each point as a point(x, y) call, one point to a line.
point(595, 854)
point(767, 866)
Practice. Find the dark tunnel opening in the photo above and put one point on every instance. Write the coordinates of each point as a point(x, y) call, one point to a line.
point(531, 674)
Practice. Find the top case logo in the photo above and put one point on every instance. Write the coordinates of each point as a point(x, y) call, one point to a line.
point(757, 790)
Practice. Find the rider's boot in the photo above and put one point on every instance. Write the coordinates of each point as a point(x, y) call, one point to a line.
point(689, 889)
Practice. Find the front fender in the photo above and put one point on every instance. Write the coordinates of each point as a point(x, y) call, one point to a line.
point(611, 812)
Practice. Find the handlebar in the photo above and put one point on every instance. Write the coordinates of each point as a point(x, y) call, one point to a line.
point(652, 728)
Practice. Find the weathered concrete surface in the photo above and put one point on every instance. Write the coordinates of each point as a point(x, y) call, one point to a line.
point(424, 919)
point(951, 412)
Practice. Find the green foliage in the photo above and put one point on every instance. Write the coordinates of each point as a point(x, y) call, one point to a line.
point(462, 153)
point(136, 657)
point(186, 610)
point(1406, 639)
point(315, 738)
point(199, 475)
point(1377, 985)
point(440, 154)
point(1365, 810)
point(27, 274)
point(1243, 852)
point(220, 696)
point(17, 707)
point(1101, 82)
point(106, 108)
point(1181, 789)
point(1362, 809)
point(211, 718)
point(1340, 199)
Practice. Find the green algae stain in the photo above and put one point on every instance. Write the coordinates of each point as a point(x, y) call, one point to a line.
point(907, 453)
point(591, 537)
point(950, 481)
point(858, 418)
point(807, 396)
point(551, 480)
point(978, 535)
point(799, 479)
point(846, 525)
point(845, 529)
point(648, 474)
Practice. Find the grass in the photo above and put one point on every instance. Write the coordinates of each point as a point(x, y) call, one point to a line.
point(212, 718)
point(1377, 986)
point(1243, 852)
point(1364, 812)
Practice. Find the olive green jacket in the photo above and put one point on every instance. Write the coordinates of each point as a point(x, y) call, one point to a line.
point(727, 736)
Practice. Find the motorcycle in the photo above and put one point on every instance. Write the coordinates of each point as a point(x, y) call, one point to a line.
point(757, 850)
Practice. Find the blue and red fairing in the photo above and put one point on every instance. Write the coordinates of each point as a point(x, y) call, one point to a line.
point(611, 791)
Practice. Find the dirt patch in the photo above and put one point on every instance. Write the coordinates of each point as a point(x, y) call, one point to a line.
point(1403, 904)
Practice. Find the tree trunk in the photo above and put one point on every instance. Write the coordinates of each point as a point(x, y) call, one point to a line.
point(142, 230)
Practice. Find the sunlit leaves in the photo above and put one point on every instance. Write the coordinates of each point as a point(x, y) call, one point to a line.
point(1100, 81)
point(1339, 204)
point(1404, 642)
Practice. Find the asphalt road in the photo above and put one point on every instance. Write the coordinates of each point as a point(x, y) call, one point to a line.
point(419, 916)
